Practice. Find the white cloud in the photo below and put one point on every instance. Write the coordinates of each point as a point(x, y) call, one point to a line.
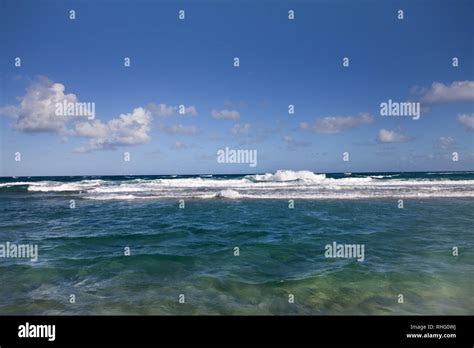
point(225, 114)
point(180, 129)
point(9, 111)
point(337, 124)
point(128, 129)
point(190, 110)
point(445, 142)
point(388, 136)
point(164, 110)
point(94, 129)
point(467, 120)
point(440, 93)
point(240, 129)
point(36, 112)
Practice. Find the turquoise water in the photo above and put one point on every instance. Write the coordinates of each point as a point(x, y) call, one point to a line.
point(190, 251)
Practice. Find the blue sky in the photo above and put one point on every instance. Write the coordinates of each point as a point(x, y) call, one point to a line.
point(190, 62)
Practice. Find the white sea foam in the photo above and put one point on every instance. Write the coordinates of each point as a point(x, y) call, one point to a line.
point(284, 184)
point(55, 186)
point(383, 176)
point(18, 183)
point(228, 194)
point(117, 197)
point(289, 175)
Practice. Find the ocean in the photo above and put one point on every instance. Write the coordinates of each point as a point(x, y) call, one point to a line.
point(239, 244)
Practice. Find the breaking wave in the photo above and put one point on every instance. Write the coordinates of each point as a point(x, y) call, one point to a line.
point(283, 184)
point(228, 194)
point(289, 175)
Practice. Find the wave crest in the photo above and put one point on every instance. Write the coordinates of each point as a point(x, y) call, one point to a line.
point(231, 194)
point(283, 184)
point(289, 175)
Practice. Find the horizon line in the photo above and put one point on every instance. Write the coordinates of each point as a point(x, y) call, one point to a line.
point(237, 174)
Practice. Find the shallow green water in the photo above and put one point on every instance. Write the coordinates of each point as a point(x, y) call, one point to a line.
point(282, 251)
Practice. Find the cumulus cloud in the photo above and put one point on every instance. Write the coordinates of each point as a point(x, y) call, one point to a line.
point(390, 136)
point(240, 129)
point(164, 110)
point(446, 142)
point(36, 112)
point(337, 124)
point(225, 114)
point(128, 129)
point(9, 111)
point(93, 129)
point(467, 120)
point(180, 129)
point(440, 93)
point(190, 110)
